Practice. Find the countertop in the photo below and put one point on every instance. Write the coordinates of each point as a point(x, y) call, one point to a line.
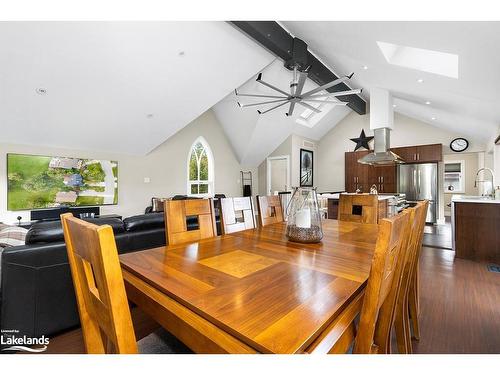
point(337, 196)
point(473, 199)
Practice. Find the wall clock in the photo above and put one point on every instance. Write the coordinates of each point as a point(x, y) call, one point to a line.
point(459, 144)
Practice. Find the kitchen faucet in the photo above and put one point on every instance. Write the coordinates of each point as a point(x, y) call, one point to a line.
point(492, 194)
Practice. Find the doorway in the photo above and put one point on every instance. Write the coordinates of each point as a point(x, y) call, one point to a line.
point(278, 174)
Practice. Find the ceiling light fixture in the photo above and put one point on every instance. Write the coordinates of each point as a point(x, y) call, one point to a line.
point(41, 91)
point(365, 67)
point(394, 105)
point(433, 118)
point(300, 67)
point(420, 80)
point(428, 102)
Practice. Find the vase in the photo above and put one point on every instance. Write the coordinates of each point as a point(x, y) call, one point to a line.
point(304, 216)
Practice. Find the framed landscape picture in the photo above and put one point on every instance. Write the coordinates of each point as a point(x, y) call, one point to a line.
point(306, 168)
point(37, 182)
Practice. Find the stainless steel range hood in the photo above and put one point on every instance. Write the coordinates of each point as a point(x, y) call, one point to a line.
point(381, 155)
point(381, 122)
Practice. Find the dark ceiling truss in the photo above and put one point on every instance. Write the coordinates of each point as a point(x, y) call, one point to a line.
point(277, 40)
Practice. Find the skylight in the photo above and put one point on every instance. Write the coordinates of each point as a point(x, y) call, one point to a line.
point(426, 60)
point(310, 118)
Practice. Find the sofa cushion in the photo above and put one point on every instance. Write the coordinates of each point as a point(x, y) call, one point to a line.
point(12, 236)
point(51, 231)
point(143, 222)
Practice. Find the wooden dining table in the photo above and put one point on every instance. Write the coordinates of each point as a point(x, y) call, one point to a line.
point(254, 291)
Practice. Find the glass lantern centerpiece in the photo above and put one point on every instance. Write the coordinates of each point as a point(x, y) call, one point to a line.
point(304, 217)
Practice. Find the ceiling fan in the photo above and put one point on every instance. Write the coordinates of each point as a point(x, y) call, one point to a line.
point(298, 63)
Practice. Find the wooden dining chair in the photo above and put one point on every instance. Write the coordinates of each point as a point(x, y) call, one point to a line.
point(377, 312)
point(200, 215)
point(237, 214)
point(402, 317)
point(413, 293)
point(99, 287)
point(269, 209)
point(378, 302)
point(359, 208)
point(100, 294)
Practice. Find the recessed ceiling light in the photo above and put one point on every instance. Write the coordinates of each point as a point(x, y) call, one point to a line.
point(365, 67)
point(428, 102)
point(420, 80)
point(433, 118)
point(41, 91)
point(394, 105)
point(149, 115)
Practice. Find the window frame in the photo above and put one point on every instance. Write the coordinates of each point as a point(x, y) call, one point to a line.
point(211, 175)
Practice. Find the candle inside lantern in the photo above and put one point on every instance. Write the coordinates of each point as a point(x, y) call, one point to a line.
point(303, 218)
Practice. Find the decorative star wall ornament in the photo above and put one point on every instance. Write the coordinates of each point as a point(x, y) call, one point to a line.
point(362, 141)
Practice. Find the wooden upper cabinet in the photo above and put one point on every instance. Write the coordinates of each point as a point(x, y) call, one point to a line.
point(430, 153)
point(408, 154)
point(420, 154)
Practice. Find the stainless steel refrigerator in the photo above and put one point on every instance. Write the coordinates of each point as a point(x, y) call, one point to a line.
point(418, 182)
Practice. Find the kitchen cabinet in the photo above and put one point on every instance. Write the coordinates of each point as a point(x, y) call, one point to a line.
point(356, 174)
point(362, 176)
point(475, 231)
point(383, 177)
point(420, 154)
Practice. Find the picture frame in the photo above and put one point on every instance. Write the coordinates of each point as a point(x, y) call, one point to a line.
point(306, 168)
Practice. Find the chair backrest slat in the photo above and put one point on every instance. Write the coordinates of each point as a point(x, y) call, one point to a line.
point(359, 208)
point(177, 214)
point(99, 287)
point(270, 210)
point(384, 276)
point(237, 214)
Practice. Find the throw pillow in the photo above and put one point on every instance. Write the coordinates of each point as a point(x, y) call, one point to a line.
point(12, 236)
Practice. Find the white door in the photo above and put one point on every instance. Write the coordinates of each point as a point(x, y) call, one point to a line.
point(278, 174)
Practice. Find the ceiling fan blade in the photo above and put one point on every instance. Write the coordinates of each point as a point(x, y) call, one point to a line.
point(290, 110)
point(309, 107)
point(259, 79)
point(338, 93)
point(328, 85)
point(325, 101)
point(259, 96)
point(300, 83)
point(261, 103)
point(270, 109)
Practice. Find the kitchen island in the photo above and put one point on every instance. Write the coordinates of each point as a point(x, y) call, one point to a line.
point(475, 223)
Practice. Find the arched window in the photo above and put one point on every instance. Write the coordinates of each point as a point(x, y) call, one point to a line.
point(200, 169)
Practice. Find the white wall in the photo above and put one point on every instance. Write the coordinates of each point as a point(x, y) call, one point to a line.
point(165, 166)
point(291, 147)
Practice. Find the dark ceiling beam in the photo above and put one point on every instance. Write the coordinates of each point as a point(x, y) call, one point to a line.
point(279, 41)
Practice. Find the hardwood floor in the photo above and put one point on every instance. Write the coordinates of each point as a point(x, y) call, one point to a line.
point(460, 305)
point(460, 309)
point(438, 236)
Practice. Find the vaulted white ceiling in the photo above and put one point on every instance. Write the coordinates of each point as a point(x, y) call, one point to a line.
point(468, 105)
point(255, 136)
point(103, 79)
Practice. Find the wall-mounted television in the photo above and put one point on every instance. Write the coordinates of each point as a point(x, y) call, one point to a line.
point(37, 182)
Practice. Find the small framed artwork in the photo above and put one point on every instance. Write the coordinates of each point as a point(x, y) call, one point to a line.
point(306, 168)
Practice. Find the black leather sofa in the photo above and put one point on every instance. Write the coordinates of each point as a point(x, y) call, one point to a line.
point(37, 296)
